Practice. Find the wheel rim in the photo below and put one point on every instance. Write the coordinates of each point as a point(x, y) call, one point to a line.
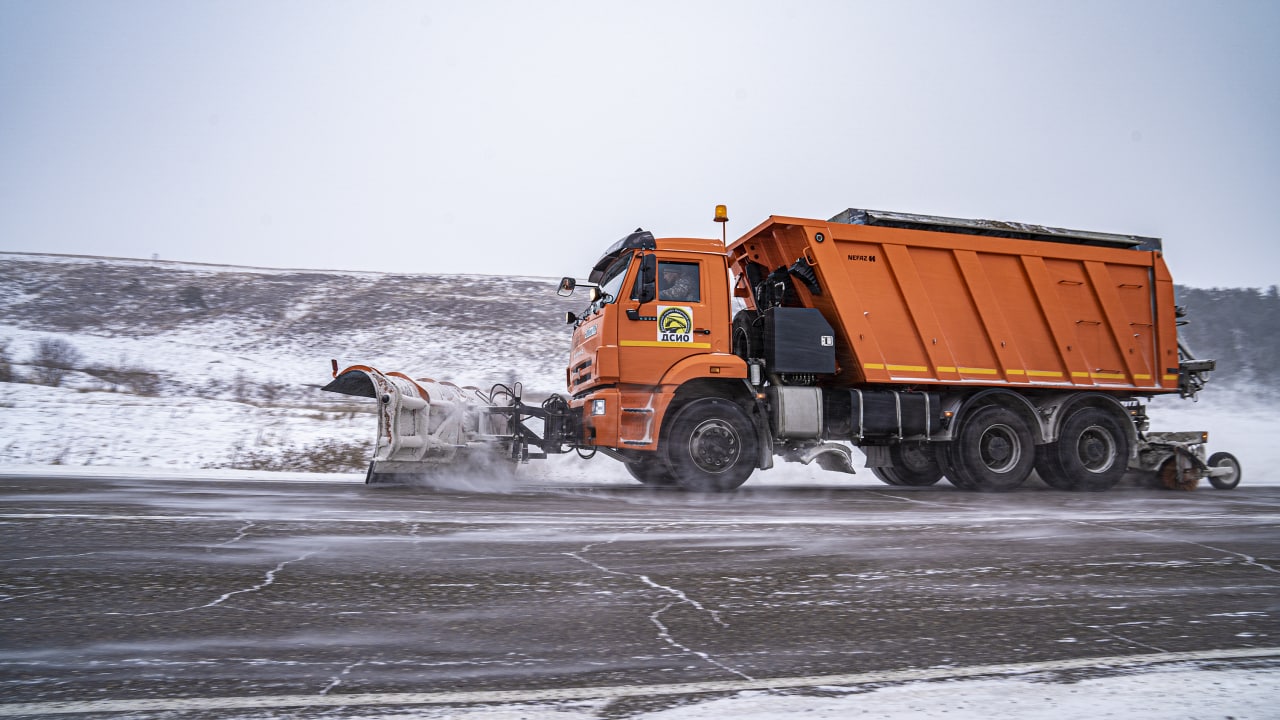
point(714, 445)
point(1096, 449)
point(999, 448)
point(1235, 471)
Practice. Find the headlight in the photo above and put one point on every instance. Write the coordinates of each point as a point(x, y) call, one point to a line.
point(597, 407)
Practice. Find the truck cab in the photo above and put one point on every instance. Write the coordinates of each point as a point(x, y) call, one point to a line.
point(658, 319)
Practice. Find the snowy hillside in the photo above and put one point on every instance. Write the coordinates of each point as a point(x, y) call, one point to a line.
point(191, 366)
point(187, 366)
point(274, 325)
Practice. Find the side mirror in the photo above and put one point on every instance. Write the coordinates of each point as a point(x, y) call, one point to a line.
point(648, 273)
point(566, 287)
point(570, 318)
point(595, 294)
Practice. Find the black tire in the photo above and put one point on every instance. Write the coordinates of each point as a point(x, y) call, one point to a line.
point(949, 471)
point(1055, 480)
point(993, 452)
point(914, 465)
point(652, 472)
point(885, 475)
point(711, 446)
point(1225, 482)
point(748, 336)
point(1090, 454)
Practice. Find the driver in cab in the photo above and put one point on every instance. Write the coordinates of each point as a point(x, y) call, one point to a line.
point(678, 282)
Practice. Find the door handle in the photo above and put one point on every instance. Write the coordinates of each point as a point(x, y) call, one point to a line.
point(700, 331)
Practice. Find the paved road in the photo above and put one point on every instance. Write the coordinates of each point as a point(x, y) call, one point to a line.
point(153, 588)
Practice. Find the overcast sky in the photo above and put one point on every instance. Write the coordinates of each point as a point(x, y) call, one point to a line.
point(523, 137)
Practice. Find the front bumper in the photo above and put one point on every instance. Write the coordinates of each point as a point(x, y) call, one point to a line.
point(631, 420)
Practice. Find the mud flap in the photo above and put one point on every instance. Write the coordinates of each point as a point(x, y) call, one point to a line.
point(830, 456)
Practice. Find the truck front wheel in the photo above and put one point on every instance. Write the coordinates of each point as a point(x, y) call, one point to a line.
point(652, 472)
point(1091, 452)
point(993, 452)
point(711, 446)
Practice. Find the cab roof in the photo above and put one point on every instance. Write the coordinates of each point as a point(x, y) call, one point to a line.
point(642, 239)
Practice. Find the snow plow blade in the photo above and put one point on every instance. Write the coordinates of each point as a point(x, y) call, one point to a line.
point(423, 424)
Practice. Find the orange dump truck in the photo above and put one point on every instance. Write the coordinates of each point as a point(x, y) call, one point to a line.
point(976, 350)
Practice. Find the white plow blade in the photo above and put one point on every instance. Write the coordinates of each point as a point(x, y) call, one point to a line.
point(420, 422)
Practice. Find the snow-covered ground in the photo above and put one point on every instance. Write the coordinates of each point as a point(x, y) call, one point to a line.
point(1165, 693)
point(1175, 692)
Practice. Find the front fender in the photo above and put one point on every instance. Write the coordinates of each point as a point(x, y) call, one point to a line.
point(713, 366)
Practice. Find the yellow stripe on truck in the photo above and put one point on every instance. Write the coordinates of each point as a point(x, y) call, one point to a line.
point(655, 343)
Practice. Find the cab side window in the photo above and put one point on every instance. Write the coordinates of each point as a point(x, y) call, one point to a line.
point(679, 282)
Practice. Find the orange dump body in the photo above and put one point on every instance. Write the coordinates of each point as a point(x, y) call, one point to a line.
point(922, 307)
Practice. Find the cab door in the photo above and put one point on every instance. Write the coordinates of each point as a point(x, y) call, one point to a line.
point(668, 316)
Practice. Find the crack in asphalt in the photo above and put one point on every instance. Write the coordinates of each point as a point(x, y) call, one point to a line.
point(1104, 631)
point(337, 679)
point(413, 530)
point(268, 579)
point(664, 633)
point(1248, 559)
point(51, 557)
point(905, 499)
point(240, 535)
point(7, 598)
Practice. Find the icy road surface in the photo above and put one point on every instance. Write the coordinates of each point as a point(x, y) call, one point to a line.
point(154, 597)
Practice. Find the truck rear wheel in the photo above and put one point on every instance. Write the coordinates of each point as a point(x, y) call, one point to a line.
point(993, 452)
point(651, 472)
point(884, 476)
point(711, 446)
point(914, 465)
point(1091, 452)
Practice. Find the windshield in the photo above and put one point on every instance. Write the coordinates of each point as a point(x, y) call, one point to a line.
point(613, 278)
